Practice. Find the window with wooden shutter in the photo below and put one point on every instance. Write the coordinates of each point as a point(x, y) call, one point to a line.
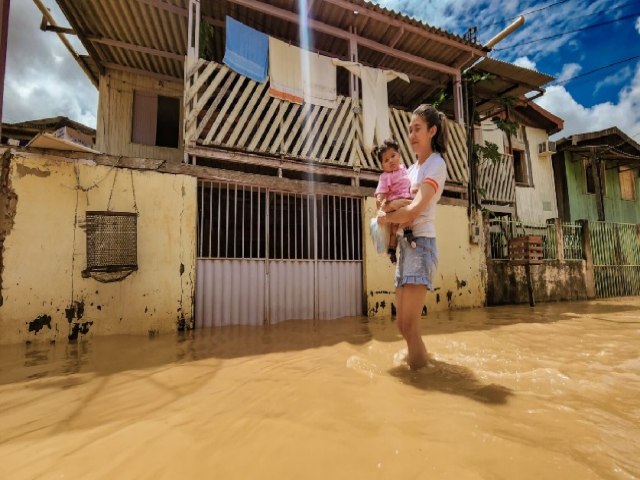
point(156, 120)
point(627, 185)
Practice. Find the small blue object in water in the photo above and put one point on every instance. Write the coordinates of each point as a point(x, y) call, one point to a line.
point(379, 235)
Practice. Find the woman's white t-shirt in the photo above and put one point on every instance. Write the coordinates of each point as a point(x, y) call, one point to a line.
point(433, 171)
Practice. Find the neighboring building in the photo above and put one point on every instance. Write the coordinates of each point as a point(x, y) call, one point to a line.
point(21, 133)
point(520, 187)
point(596, 176)
point(283, 190)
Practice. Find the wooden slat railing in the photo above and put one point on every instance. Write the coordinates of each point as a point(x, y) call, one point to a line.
point(225, 109)
point(497, 181)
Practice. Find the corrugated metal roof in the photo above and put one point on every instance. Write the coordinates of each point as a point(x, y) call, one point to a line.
point(513, 72)
point(146, 34)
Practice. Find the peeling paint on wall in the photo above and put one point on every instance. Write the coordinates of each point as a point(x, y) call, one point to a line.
point(39, 323)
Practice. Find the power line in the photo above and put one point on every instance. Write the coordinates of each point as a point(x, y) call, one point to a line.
point(523, 13)
point(625, 60)
point(608, 10)
point(626, 17)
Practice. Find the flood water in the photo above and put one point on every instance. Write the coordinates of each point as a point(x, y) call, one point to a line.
point(551, 392)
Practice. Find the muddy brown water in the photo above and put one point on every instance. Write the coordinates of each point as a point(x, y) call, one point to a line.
point(510, 393)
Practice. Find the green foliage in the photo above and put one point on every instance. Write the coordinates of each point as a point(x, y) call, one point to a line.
point(487, 152)
point(508, 126)
point(206, 41)
point(439, 99)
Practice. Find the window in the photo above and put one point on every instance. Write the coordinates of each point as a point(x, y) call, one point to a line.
point(156, 120)
point(520, 169)
point(627, 185)
point(111, 241)
point(591, 185)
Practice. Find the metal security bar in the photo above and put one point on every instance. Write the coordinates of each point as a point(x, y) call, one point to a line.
point(572, 241)
point(503, 230)
point(244, 222)
point(616, 258)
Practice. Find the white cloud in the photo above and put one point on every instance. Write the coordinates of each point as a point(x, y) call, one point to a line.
point(525, 62)
point(569, 70)
point(617, 78)
point(638, 24)
point(624, 114)
point(42, 79)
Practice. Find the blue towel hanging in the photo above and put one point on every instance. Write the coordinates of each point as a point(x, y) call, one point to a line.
point(247, 51)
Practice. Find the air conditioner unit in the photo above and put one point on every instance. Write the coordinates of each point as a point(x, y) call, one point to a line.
point(546, 148)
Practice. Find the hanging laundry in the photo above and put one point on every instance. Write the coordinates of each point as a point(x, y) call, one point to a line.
point(246, 50)
point(375, 100)
point(285, 71)
point(298, 76)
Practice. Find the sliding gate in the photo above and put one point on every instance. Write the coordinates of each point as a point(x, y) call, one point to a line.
point(266, 256)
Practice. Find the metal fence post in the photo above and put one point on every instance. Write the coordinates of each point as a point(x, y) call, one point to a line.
point(559, 239)
point(588, 257)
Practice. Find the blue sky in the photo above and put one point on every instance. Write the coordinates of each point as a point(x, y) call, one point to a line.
point(608, 97)
point(48, 82)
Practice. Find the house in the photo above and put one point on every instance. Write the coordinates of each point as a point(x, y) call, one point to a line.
point(22, 133)
point(520, 186)
point(596, 176)
point(282, 190)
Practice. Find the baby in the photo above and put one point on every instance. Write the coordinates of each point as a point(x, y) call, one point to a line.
point(393, 191)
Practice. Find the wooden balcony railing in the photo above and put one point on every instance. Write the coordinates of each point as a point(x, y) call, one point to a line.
point(226, 110)
point(497, 181)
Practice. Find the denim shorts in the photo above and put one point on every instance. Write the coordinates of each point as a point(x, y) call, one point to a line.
point(418, 265)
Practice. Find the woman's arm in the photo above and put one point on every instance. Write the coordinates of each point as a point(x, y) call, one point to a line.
point(409, 213)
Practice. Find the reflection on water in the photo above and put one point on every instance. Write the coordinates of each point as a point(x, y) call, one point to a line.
point(549, 392)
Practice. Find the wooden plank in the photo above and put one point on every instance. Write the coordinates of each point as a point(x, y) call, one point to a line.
point(325, 128)
point(308, 124)
point(346, 106)
point(401, 134)
point(206, 95)
point(230, 119)
point(341, 135)
point(202, 78)
point(243, 123)
point(239, 81)
point(291, 132)
point(269, 121)
point(284, 119)
point(348, 141)
point(213, 106)
point(316, 137)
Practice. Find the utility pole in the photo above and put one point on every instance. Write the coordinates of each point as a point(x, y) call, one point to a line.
point(4, 27)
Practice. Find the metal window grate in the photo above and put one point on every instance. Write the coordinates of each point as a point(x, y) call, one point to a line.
point(112, 241)
point(237, 221)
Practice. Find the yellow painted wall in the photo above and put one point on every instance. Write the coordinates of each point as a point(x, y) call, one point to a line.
point(45, 251)
point(461, 277)
point(115, 115)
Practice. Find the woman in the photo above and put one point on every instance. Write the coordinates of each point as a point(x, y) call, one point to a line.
point(416, 266)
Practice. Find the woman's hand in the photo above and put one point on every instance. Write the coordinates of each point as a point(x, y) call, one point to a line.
point(381, 217)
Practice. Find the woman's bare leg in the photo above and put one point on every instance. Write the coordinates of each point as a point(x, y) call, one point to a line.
point(410, 300)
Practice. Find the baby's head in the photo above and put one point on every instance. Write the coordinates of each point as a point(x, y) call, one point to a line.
point(388, 154)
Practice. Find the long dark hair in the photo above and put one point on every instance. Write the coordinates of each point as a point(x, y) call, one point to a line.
point(432, 116)
point(379, 150)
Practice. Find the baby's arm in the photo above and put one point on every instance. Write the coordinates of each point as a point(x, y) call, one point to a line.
point(381, 200)
point(395, 204)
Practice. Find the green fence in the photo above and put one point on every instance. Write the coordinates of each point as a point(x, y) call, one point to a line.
point(501, 231)
point(616, 258)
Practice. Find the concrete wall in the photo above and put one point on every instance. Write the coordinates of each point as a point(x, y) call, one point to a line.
point(552, 281)
point(537, 203)
point(115, 115)
point(460, 279)
point(44, 295)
